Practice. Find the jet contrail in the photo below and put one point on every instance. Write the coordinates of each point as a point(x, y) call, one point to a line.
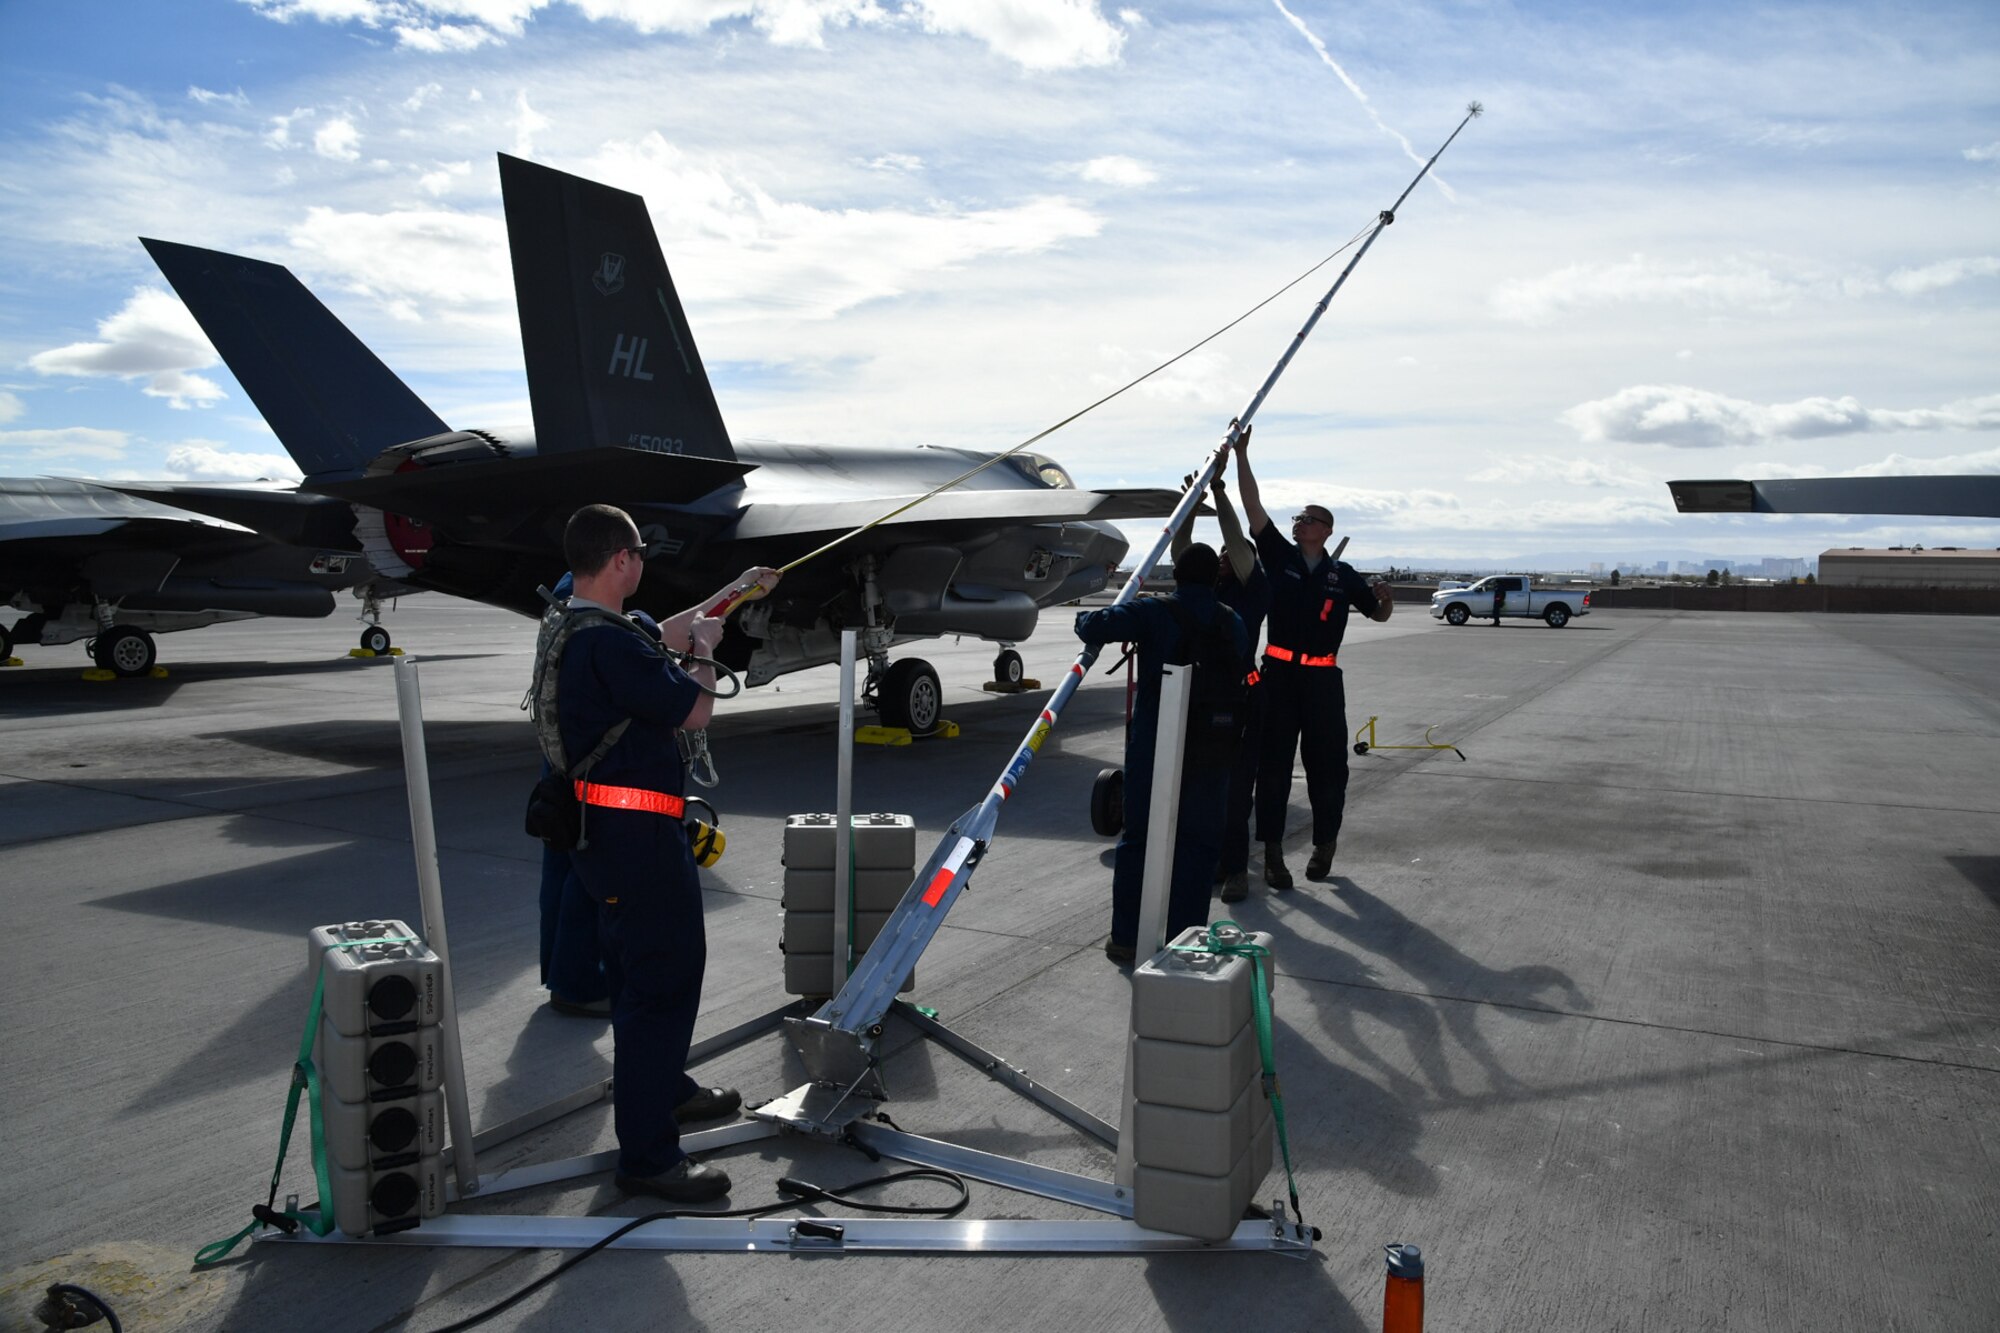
point(1359, 96)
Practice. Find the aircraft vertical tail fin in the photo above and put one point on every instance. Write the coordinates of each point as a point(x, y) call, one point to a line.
point(611, 361)
point(331, 401)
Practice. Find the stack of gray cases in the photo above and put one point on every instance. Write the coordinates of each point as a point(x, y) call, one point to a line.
point(885, 861)
point(380, 1059)
point(1201, 1128)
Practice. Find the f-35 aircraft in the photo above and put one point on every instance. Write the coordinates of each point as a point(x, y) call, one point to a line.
point(84, 561)
point(624, 414)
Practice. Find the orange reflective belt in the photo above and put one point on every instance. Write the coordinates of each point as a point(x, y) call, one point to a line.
point(630, 798)
point(1300, 659)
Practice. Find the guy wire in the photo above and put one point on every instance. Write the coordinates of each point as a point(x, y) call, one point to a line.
point(1044, 434)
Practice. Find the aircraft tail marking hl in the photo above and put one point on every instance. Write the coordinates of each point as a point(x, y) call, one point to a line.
point(611, 361)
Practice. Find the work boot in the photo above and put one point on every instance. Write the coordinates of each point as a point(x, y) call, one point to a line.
point(687, 1181)
point(1236, 887)
point(708, 1104)
point(1275, 873)
point(1321, 860)
point(1120, 953)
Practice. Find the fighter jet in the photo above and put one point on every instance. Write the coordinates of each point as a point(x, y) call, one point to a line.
point(84, 561)
point(624, 414)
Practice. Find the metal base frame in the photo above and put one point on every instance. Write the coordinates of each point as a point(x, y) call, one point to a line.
point(830, 1112)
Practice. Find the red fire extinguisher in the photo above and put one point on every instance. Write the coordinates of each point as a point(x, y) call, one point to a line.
point(1403, 1295)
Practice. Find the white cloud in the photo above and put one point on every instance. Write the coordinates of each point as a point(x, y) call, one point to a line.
point(441, 38)
point(417, 264)
point(1556, 469)
point(528, 122)
point(1688, 418)
point(1984, 462)
point(208, 97)
point(415, 101)
point(1730, 283)
point(1986, 152)
point(280, 133)
point(1947, 273)
point(1116, 170)
point(1199, 377)
point(447, 176)
point(905, 162)
point(735, 245)
point(62, 444)
point(338, 139)
point(11, 405)
point(1727, 284)
point(151, 338)
point(206, 460)
point(1036, 34)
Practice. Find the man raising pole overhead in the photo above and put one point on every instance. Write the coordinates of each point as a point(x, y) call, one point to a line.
point(1304, 696)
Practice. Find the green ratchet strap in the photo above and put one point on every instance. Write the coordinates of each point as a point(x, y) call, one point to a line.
point(305, 1078)
point(1238, 944)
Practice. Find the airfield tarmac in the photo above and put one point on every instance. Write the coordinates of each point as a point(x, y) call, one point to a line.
point(1676, 1006)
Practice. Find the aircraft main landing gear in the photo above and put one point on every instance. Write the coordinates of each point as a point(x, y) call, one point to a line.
point(908, 695)
point(1007, 668)
point(376, 640)
point(124, 650)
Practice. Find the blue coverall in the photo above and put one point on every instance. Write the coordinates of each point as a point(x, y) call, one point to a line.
point(1250, 600)
point(638, 869)
point(572, 962)
point(1149, 625)
point(1305, 706)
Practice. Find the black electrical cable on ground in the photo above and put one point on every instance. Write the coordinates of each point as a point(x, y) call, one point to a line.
point(63, 1302)
point(797, 1192)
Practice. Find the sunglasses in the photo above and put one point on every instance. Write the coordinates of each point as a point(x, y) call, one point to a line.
point(1311, 518)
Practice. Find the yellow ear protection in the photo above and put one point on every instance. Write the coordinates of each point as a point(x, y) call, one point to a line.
point(705, 836)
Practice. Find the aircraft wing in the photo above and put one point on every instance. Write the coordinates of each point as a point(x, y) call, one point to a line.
point(1931, 496)
point(806, 519)
point(293, 517)
point(500, 495)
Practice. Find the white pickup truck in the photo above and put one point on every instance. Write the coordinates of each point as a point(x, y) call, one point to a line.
point(1555, 605)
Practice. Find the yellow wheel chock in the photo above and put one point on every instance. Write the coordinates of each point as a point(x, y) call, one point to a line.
point(1363, 747)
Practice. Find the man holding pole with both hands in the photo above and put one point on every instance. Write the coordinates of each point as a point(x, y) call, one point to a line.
point(1302, 693)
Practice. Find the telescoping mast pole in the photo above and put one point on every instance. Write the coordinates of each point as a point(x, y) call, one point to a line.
point(835, 1041)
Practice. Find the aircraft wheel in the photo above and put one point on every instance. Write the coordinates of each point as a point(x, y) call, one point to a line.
point(1107, 803)
point(6, 644)
point(124, 651)
point(911, 696)
point(1456, 613)
point(375, 639)
point(1361, 747)
point(1007, 667)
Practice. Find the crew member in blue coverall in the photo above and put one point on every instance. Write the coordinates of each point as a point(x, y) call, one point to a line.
point(1242, 588)
point(572, 961)
point(1304, 696)
point(637, 865)
point(1152, 627)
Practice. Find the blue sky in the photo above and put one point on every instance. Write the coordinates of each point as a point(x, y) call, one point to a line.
point(1685, 241)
